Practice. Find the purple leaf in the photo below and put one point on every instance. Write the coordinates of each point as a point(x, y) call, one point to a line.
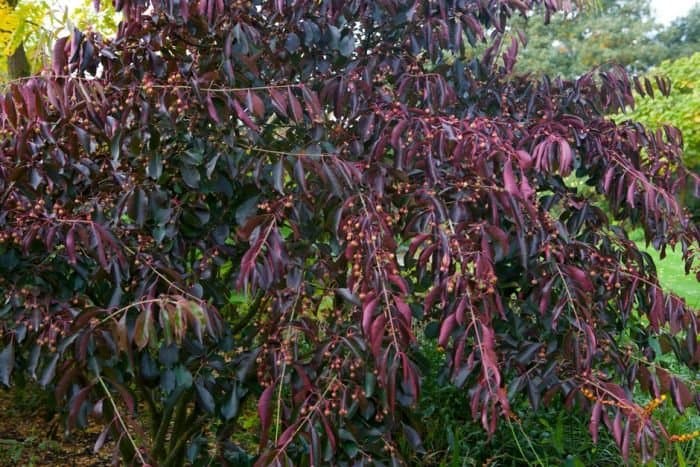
point(368, 314)
point(446, 329)
point(509, 179)
point(244, 117)
point(265, 413)
point(595, 420)
point(279, 101)
point(58, 57)
point(294, 104)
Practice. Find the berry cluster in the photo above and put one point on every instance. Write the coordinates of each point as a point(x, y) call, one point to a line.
point(654, 404)
point(684, 437)
point(647, 411)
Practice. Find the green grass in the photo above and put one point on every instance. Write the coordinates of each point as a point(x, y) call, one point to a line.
point(673, 278)
point(671, 272)
point(551, 436)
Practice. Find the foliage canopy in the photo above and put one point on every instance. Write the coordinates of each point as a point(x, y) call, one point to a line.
point(365, 186)
point(612, 31)
point(680, 109)
point(682, 36)
point(34, 25)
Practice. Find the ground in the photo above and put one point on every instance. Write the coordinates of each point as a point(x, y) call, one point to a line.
point(30, 436)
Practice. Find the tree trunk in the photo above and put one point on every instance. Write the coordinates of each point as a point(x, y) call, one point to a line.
point(17, 64)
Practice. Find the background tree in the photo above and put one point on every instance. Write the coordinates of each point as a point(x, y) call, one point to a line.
point(30, 28)
point(682, 36)
point(366, 187)
point(681, 109)
point(17, 63)
point(612, 31)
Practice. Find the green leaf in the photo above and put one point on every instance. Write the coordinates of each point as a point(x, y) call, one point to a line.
point(183, 377)
point(155, 166)
point(230, 409)
point(169, 355)
point(350, 449)
point(432, 329)
point(205, 398)
point(347, 45)
point(370, 383)
point(680, 457)
point(190, 175)
point(49, 371)
point(115, 146)
point(7, 363)
point(654, 344)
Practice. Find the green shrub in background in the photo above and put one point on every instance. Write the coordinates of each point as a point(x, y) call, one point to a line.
point(605, 31)
point(29, 28)
point(680, 109)
point(551, 436)
point(354, 183)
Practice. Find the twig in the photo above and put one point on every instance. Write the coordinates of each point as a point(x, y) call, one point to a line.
point(284, 369)
point(137, 450)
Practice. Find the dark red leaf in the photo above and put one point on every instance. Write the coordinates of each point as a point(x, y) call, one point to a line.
point(211, 108)
point(294, 104)
point(413, 438)
point(566, 158)
point(279, 101)
point(446, 329)
point(58, 57)
point(509, 179)
point(397, 132)
point(265, 413)
point(347, 295)
point(70, 245)
point(368, 314)
point(102, 438)
point(287, 434)
point(244, 117)
point(313, 105)
point(76, 404)
point(255, 104)
point(376, 333)
point(579, 277)
point(99, 247)
point(617, 427)
point(596, 412)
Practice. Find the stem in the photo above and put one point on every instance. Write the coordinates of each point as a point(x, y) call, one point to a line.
point(527, 438)
point(305, 420)
point(175, 457)
point(286, 153)
point(121, 421)
point(252, 310)
point(278, 417)
point(130, 306)
point(124, 448)
point(165, 418)
point(382, 275)
point(152, 407)
point(179, 422)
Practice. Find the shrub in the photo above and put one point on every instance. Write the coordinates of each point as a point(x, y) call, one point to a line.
point(238, 207)
point(681, 108)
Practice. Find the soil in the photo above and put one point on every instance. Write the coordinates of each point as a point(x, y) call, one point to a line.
point(30, 435)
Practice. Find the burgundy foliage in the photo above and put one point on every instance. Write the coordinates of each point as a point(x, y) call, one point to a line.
point(371, 186)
